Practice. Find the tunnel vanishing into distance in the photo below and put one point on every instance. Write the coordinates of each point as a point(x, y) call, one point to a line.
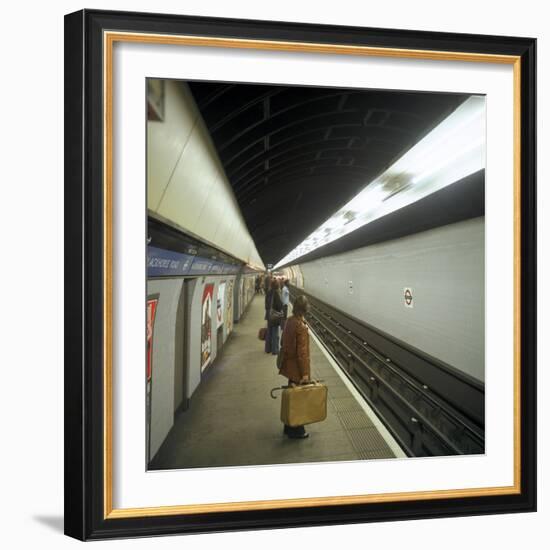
point(369, 202)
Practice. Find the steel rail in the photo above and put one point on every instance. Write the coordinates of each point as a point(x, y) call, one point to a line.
point(423, 423)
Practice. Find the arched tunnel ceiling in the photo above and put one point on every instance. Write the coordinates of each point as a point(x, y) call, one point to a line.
point(295, 155)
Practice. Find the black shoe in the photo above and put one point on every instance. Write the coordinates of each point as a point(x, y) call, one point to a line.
point(305, 435)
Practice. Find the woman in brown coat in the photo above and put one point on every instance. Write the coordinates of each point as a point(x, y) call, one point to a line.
point(295, 364)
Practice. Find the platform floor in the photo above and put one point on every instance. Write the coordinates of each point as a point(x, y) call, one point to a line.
point(233, 421)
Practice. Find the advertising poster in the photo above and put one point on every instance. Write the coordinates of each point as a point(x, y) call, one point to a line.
point(151, 311)
point(250, 289)
point(206, 326)
point(220, 304)
point(241, 297)
point(229, 308)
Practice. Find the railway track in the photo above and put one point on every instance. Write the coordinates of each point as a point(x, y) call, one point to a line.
point(425, 420)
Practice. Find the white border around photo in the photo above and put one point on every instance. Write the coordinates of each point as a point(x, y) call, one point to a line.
point(132, 485)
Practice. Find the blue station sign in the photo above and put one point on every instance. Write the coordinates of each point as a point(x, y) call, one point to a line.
point(167, 263)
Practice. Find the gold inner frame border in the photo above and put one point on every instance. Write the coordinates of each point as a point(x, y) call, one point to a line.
point(109, 39)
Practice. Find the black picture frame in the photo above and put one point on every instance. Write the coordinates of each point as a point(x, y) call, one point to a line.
point(85, 492)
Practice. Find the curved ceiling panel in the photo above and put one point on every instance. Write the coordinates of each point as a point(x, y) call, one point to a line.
point(294, 155)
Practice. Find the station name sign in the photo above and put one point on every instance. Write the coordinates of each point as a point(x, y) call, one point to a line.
point(167, 263)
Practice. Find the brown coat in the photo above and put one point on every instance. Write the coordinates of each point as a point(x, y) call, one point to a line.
point(295, 350)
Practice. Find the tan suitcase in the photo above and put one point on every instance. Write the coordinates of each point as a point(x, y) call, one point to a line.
point(304, 404)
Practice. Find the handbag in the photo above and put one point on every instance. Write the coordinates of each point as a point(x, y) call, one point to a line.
point(274, 316)
point(262, 333)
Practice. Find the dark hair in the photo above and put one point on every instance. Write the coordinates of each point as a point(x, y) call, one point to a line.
point(300, 306)
point(287, 282)
point(274, 284)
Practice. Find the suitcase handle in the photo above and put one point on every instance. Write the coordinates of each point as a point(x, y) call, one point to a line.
point(310, 383)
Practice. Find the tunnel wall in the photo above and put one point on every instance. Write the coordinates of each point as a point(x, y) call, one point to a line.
point(177, 369)
point(195, 292)
point(186, 183)
point(167, 356)
point(244, 292)
point(445, 269)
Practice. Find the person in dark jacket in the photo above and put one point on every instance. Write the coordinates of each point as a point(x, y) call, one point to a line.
point(274, 303)
point(295, 363)
point(267, 299)
point(267, 283)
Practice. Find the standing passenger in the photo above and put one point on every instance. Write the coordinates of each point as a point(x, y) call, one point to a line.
point(267, 304)
point(273, 302)
point(267, 282)
point(295, 363)
point(285, 297)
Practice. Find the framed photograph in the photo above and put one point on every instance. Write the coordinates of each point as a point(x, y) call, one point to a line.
point(343, 214)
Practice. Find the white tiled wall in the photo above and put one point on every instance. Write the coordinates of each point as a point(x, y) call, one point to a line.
point(186, 183)
point(444, 267)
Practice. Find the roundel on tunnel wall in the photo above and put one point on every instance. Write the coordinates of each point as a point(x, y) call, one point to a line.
point(408, 297)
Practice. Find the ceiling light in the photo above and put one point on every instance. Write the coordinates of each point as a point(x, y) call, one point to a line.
point(451, 151)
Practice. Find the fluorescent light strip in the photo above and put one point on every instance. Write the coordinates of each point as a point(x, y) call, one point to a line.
point(451, 151)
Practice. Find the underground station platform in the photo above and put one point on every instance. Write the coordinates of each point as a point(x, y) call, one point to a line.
point(233, 421)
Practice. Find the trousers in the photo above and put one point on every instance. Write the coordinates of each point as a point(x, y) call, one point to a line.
point(272, 339)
